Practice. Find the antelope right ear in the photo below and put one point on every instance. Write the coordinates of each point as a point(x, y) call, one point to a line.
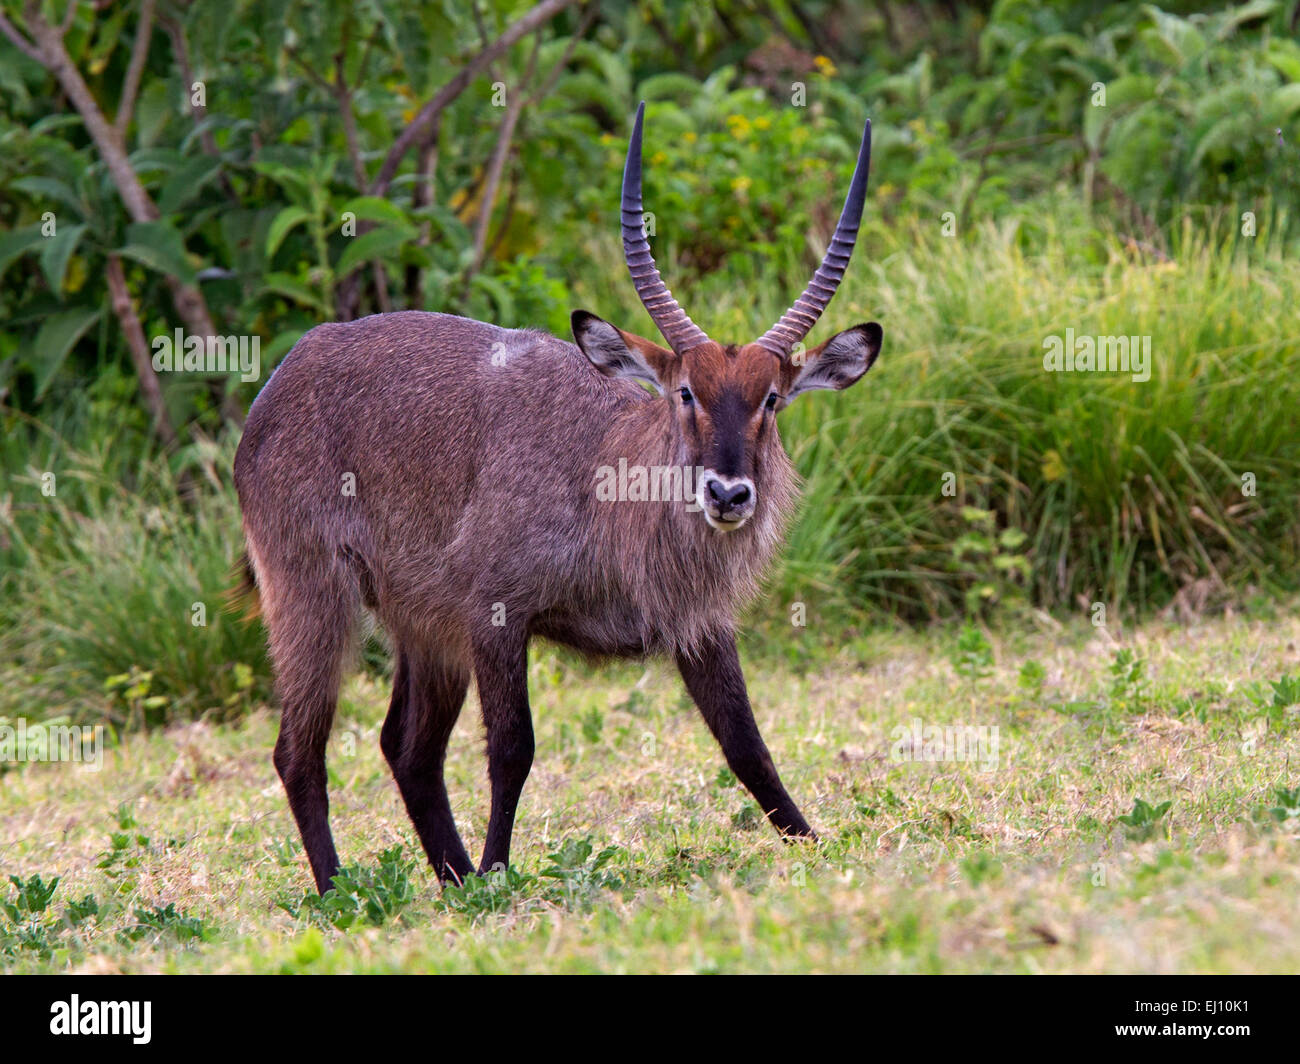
point(616, 353)
point(839, 362)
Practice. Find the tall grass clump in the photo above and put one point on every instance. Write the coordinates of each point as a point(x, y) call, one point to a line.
point(1128, 493)
point(114, 599)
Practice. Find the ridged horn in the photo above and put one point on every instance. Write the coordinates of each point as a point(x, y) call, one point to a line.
point(681, 333)
point(796, 322)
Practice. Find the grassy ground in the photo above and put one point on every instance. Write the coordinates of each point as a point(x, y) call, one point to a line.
point(636, 851)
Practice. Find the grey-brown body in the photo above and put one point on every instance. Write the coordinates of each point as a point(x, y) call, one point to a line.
point(446, 469)
point(446, 474)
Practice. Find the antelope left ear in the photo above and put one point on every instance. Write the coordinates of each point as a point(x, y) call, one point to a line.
point(839, 362)
point(616, 353)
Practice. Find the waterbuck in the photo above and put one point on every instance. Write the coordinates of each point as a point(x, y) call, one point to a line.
point(442, 472)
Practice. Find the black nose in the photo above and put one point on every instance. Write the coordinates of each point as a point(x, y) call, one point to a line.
point(728, 498)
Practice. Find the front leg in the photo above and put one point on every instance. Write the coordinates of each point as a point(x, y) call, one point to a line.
point(713, 677)
point(501, 671)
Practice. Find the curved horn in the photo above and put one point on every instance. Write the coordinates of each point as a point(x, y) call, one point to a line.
point(681, 333)
point(795, 323)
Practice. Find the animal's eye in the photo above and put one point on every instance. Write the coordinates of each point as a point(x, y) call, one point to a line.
point(686, 395)
point(771, 401)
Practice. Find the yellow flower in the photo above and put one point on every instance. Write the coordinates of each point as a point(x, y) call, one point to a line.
point(689, 136)
point(739, 126)
point(740, 185)
point(762, 123)
point(824, 66)
point(1053, 466)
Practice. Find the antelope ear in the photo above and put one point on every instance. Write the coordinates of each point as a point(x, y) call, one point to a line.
point(616, 353)
point(839, 362)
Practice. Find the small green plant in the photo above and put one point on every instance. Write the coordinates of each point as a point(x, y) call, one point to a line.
point(1288, 805)
point(28, 923)
point(1286, 692)
point(593, 722)
point(1128, 685)
point(1145, 819)
point(973, 655)
point(489, 895)
point(981, 867)
point(1031, 677)
point(128, 693)
point(161, 921)
point(78, 912)
point(364, 895)
point(122, 843)
point(577, 875)
point(990, 561)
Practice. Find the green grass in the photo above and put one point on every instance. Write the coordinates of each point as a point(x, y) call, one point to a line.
point(637, 851)
point(115, 608)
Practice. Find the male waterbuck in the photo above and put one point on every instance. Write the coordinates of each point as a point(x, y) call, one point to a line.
point(442, 472)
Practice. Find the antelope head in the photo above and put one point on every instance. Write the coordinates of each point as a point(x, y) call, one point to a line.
point(724, 398)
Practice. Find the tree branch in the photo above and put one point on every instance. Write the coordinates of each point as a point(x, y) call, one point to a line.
point(150, 389)
point(429, 113)
point(498, 161)
point(19, 41)
point(139, 53)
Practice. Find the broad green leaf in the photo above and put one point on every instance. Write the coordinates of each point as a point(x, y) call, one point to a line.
point(375, 209)
point(160, 247)
point(187, 182)
point(372, 245)
point(1285, 55)
point(280, 226)
point(57, 336)
point(49, 188)
point(280, 346)
point(17, 243)
point(292, 288)
point(58, 249)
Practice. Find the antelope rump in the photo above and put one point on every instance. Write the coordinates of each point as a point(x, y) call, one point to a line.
point(441, 473)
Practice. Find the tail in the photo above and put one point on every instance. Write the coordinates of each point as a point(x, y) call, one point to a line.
point(242, 596)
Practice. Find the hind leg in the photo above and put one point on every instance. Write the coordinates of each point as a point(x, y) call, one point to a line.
point(427, 697)
point(309, 634)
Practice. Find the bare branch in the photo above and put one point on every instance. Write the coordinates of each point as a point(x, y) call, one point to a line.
point(139, 53)
point(414, 132)
point(514, 106)
point(19, 41)
point(120, 298)
point(588, 17)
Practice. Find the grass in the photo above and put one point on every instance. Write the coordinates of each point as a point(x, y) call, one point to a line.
point(116, 603)
point(1142, 816)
